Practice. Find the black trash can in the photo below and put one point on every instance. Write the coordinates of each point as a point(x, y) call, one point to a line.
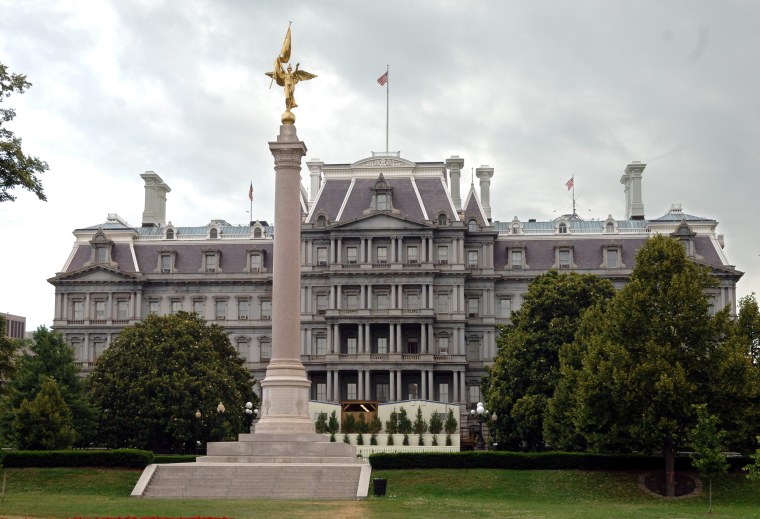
point(378, 486)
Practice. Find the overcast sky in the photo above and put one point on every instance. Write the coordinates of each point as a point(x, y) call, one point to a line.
point(539, 90)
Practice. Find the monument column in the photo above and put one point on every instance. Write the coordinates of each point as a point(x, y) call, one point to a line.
point(285, 388)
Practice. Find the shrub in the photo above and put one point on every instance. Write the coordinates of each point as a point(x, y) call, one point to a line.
point(320, 426)
point(126, 458)
point(436, 424)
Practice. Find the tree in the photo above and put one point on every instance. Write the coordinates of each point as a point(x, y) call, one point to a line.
point(8, 357)
point(450, 426)
point(50, 356)
point(156, 374)
point(333, 426)
point(420, 426)
point(708, 444)
point(748, 324)
point(16, 168)
point(404, 425)
point(653, 353)
point(44, 423)
point(753, 469)
point(320, 426)
point(526, 369)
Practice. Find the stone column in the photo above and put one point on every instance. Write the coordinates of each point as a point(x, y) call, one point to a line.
point(285, 388)
point(392, 377)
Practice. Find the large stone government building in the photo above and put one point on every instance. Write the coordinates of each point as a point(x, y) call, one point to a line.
point(403, 282)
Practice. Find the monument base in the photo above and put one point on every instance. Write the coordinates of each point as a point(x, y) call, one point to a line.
point(263, 466)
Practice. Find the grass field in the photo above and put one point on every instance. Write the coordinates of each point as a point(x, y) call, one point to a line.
point(411, 493)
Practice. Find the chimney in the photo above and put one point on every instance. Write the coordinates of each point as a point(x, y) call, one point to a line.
point(154, 214)
point(631, 179)
point(485, 173)
point(315, 167)
point(455, 164)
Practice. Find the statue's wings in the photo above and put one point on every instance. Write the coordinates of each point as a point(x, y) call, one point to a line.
point(277, 74)
point(302, 75)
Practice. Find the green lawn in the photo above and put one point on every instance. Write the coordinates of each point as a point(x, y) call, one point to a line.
point(411, 493)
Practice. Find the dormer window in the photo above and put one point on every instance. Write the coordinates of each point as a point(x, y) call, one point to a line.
point(382, 202)
point(562, 228)
point(322, 222)
point(472, 225)
point(213, 234)
point(211, 261)
point(257, 232)
point(382, 197)
point(609, 227)
point(101, 255)
point(169, 234)
point(442, 219)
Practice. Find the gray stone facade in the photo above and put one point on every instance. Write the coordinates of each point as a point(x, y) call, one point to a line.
point(403, 284)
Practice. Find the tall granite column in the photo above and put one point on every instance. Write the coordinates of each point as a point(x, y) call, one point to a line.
point(285, 388)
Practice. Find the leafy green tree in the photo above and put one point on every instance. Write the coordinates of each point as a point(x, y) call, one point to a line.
point(391, 426)
point(50, 357)
point(375, 426)
point(404, 425)
point(526, 369)
point(333, 425)
point(44, 423)
point(436, 423)
point(420, 426)
point(149, 382)
point(320, 426)
point(708, 445)
point(450, 426)
point(753, 469)
point(8, 356)
point(653, 353)
point(16, 168)
point(349, 424)
point(748, 324)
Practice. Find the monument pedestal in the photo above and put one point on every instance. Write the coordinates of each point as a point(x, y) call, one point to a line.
point(284, 458)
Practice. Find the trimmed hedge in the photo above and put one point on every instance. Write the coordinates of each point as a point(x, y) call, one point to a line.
point(174, 458)
point(529, 461)
point(123, 458)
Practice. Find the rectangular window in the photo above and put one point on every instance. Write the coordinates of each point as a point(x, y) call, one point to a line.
point(199, 307)
point(443, 393)
point(154, 306)
point(472, 258)
point(101, 255)
point(321, 255)
point(78, 310)
point(100, 310)
point(321, 345)
point(176, 305)
point(443, 255)
point(266, 351)
point(564, 259)
point(122, 309)
point(612, 258)
point(413, 391)
point(413, 301)
point(351, 345)
point(382, 301)
point(473, 307)
point(443, 303)
point(382, 202)
point(474, 394)
point(517, 259)
point(166, 263)
point(321, 391)
point(352, 254)
point(266, 309)
point(351, 391)
point(443, 345)
point(382, 254)
point(411, 254)
point(382, 345)
point(505, 308)
point(321, 304)
point(210, 262)
point(256, 263)
point(382, 392)
point(412, 346)
point(220, 307)
point(244, 307)
point(352, 301)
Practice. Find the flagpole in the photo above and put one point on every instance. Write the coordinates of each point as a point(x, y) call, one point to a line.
point(250, 197)
point(387, 104)
point(573, 178)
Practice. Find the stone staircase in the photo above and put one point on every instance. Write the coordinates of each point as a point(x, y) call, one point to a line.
point(269, 466)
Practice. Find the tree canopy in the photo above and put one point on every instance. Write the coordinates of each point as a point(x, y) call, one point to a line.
point(156, 374)
point(526, 369)
point(16, 168)
point(49, 357)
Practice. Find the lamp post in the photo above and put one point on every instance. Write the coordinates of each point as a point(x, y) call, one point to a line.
point(220, 416)
point(197, 439)
point(480, 413)
point(250, 415)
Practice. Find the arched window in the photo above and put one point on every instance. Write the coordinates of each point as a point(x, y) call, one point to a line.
point(562, 228)
point(442, 219)
point(213, 234)
point(515, 229)
point(257, 232)
point(321, 221)
point(169, 234)
point(610, 227)
point(472, 225)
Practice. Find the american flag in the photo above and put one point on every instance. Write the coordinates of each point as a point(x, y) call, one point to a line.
point(383, 79)
point(570, 183)
point(250, 192)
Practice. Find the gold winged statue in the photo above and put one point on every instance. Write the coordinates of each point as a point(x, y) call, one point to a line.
point(288, 78)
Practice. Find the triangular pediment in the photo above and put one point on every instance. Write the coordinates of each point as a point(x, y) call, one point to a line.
point(96, 274)
point(380, 221)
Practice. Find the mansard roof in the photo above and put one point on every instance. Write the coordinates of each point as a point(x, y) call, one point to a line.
point(473, 209)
